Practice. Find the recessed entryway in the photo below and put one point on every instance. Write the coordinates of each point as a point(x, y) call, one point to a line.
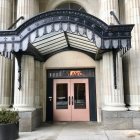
point(71, 95)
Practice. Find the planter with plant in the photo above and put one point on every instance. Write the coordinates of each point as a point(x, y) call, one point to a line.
point(9, 125)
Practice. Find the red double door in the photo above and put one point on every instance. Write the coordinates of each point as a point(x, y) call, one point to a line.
point(71, 100)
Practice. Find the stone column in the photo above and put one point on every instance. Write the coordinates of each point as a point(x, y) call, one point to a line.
point(37, 83)
point(27, 8)
point(5, 81)
point(113, 98)
point(5, 14)
point(5, 63)
point(131, 59)
point(106, 7)
point(24, 98)
point(41, 84)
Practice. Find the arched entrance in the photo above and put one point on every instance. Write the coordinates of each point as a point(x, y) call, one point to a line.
point(64, 71)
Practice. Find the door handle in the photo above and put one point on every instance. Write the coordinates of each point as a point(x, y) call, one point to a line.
point(72, 100)
point(69, 100)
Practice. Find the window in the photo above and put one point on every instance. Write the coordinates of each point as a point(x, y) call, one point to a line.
point(70, 6)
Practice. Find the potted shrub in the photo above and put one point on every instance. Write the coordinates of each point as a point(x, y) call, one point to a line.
point(9, 125)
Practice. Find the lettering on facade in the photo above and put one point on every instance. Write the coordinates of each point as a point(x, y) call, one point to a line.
point(75, 73)
point(71, 73)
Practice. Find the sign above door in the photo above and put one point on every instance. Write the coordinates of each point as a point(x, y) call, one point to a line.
point(71, 73)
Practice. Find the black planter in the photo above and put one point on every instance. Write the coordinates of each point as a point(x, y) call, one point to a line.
point(9, 131)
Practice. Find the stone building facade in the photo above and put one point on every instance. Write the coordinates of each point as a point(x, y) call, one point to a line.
point(30, 76)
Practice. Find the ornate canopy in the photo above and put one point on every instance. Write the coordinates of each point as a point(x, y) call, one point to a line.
point(54, 31)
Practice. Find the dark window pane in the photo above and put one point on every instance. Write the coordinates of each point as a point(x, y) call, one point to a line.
point(63, 6)
point(82, 10)
point(71, 6)
point(74, 6)
point(62, 96)
point(79, 96)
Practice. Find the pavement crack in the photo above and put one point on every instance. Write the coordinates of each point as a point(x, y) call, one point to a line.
point(106, 135)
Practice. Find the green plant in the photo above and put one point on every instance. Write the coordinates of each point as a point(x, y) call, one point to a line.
point(7, 116)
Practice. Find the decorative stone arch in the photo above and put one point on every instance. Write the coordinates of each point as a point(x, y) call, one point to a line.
point(78, 5)
point(53, 6)
point(104, 37)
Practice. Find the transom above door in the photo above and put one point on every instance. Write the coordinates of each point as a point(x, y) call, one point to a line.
point(71, 100)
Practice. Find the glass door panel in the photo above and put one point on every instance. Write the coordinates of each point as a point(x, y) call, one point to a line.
point(79, 96)
point(61, 92)
point(80, 99)
point(62, 96)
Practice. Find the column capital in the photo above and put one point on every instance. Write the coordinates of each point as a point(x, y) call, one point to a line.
point(23, 108)
point(116, 107)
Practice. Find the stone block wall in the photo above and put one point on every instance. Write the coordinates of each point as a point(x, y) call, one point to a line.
point(29, 120)
point(121, 119)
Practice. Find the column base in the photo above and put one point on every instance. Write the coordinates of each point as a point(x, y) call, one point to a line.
point(23, 108)
point(30, 120)
point(114, 108)
point(4, 106)
point(121, 119)
point(135, 108)
point(117, 119)
point(133, 101)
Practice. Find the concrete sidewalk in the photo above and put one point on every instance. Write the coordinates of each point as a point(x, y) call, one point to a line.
point(78, 131)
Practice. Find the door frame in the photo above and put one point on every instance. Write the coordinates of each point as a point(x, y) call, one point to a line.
point(92, 97)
